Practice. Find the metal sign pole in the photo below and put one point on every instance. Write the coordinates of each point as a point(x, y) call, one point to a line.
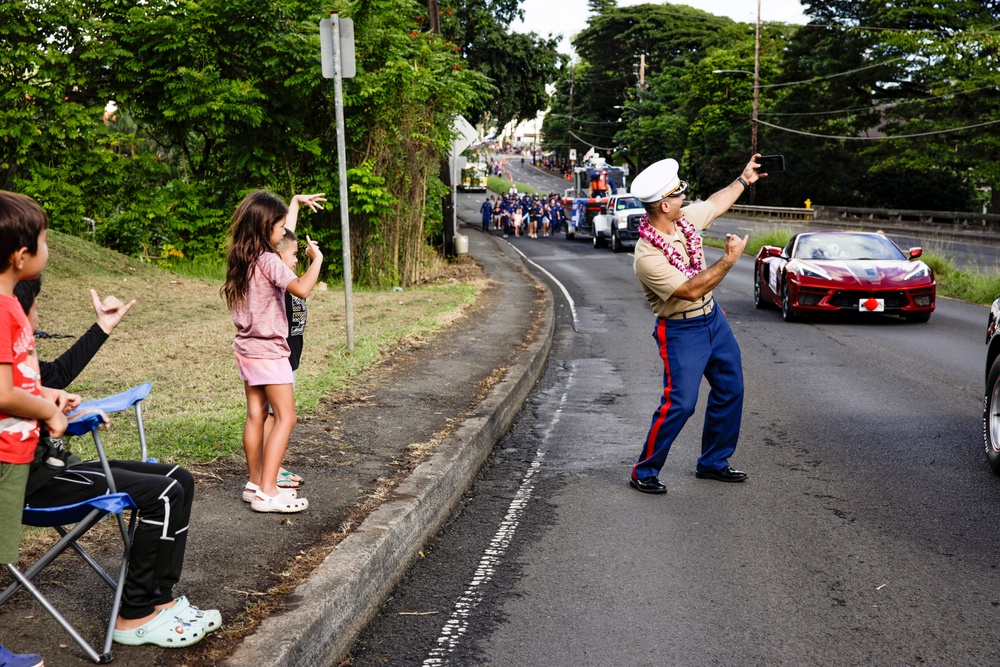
point(345, 226)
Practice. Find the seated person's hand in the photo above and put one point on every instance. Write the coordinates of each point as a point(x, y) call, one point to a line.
point(90, 411)
point(65, 401)
point(110, 311)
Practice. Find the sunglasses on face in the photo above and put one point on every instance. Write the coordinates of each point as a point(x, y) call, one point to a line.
point(681, 189)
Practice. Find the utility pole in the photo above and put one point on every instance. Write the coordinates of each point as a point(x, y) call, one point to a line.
point(756, 99)
point(569, 136)
point(642, 87)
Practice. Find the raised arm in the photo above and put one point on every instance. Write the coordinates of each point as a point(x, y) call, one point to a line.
point(60, 373)
point(310, 201)
point(728, 195)
point(303, 285)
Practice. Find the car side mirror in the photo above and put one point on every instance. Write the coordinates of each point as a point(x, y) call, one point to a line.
point(773, 251)
point(916, 252)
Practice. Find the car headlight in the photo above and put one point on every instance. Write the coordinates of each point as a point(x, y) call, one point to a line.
point(814, 272)
point(622, 223)
point(922, 271)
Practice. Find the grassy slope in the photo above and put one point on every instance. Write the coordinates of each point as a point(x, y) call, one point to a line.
point(179, 337)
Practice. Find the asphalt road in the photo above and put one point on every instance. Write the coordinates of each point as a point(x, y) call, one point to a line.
point(865, 535)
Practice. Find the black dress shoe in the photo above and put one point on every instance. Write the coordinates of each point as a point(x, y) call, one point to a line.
point(727, 474)
point(648, 485)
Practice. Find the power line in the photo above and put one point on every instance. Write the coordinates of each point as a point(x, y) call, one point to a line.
point(879, 107)
point(584, 122)
point(603, 148)
point(886, 138)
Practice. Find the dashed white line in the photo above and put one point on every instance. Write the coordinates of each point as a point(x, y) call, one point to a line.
point(458, 623)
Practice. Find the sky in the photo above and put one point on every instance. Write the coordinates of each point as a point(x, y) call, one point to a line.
point(568, 17)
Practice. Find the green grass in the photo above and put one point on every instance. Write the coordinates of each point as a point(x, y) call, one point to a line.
point(502, 185)
point(179, 337)
point(975, 284)
point(208, 269)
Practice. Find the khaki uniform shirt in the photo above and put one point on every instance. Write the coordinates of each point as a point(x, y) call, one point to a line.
point(659, 277)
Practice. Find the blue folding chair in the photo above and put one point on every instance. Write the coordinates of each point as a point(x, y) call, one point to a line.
point(85, 515)
point(131, 398)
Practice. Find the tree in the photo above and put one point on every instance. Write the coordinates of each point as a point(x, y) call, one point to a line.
point(609, 108)
point(48, 122)
point(519, 65)
point(878, 70)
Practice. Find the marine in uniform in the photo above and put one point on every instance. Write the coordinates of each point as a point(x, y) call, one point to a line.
point(692, 333)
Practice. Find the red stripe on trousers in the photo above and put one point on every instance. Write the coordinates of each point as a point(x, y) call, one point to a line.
point(654, 431)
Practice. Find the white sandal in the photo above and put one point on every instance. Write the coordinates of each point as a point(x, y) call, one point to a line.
point(251, 489)
point(279, 502)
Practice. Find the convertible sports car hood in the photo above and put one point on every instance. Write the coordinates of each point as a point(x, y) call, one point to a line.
point(860, 272)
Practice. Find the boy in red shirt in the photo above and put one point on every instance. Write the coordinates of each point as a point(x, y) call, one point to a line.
point(23, 401)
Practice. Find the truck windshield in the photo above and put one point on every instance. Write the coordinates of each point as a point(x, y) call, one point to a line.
point(628, 202)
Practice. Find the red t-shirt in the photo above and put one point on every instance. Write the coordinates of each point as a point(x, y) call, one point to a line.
point(18, 436)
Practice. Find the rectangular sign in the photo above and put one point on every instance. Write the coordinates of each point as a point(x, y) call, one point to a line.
point(326, 47)
point(348, 67)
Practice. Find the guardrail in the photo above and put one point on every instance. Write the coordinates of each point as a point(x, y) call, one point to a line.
point(954, 219)
point(773, 212)
point(956, 225)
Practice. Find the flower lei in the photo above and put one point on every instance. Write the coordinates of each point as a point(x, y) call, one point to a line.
point(696, 261)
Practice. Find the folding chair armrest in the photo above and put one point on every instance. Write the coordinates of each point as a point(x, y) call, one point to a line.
point(83, 424)
point(118, 402)
point(131, 398)
point(62, 515)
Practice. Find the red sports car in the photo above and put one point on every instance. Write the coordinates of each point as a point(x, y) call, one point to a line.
point(828, 272)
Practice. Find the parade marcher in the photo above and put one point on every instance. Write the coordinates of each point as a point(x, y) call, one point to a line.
point(692, 333)
point(557, 215)
point(505, 211)
point(487, 210)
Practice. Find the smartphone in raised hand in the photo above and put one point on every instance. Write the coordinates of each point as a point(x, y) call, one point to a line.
point(770, 163)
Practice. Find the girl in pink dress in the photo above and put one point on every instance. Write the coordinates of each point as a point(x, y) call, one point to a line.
point(256, 281)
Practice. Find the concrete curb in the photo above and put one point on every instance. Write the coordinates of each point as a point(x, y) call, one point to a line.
point(324, 614)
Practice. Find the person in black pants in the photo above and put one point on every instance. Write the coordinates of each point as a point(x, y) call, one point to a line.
point(149, 614)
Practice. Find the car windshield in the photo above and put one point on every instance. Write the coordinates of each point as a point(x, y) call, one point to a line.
point(846, 247)
point(628, 202)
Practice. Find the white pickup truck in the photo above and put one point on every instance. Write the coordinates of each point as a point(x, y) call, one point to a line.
point(619, 226)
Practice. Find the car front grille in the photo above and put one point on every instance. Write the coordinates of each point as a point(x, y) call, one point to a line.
point(850, 299)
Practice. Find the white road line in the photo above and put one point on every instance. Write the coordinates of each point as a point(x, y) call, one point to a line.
point(572, 304)
point(458, 623)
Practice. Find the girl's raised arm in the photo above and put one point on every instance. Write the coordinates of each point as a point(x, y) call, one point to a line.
point(312, 201)
point(303, 285)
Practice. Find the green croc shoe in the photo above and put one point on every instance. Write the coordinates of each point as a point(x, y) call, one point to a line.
point(288, 480)
point(165, 629)
point(210, 619)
